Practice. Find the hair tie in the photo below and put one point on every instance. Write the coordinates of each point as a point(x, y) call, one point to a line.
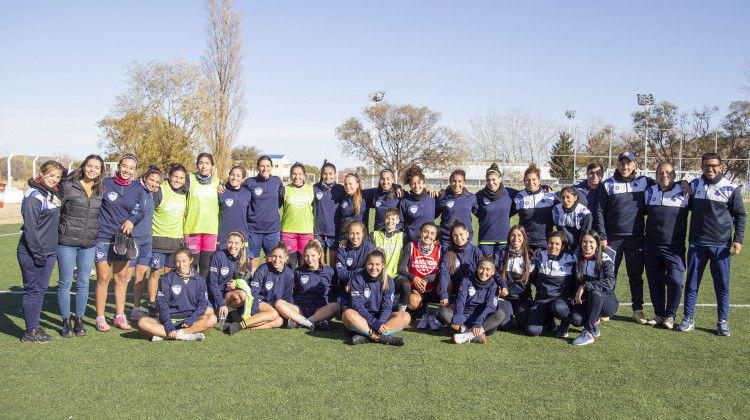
point(238, 233)
point(128, 156)
point(489, 171)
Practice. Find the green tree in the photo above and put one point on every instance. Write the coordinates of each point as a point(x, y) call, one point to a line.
point(735, 141)
point(159, 116)
point(245, 156)
point(561, 158)
point(400, 135)
point(663, 139)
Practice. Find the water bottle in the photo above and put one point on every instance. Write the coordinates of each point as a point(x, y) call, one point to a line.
point(220, 324)
point(136, 209)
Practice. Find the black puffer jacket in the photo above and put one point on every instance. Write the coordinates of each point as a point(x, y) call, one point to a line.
point(79, 215)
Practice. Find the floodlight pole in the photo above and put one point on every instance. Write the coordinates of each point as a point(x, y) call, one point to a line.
point(375, 97)
point(646, 100)
point(570, 114)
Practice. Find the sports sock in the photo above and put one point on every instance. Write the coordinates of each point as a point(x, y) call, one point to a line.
point(305, 323)
point(136, 308)
point(157, 338)
point(182, 335)
point(401, 307)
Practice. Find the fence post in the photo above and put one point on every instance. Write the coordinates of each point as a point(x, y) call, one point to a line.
point(679, 158)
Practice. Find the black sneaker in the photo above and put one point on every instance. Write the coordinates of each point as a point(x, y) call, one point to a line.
point(132, 250)
point(36, 336)
point(153, 310)
point(321, 326)
point(391, 340)
point(121, 243)
point(234, 328)
point(67, 330)
point(358, 339)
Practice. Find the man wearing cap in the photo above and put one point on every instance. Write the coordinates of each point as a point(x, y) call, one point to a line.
point(717, 205)
point(619, 221)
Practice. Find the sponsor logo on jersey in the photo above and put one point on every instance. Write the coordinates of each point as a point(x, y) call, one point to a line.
point(177, 289)
point(304, 279)
point(229, 202)
point(224, 271)
point(424, 266)
point(112, 196)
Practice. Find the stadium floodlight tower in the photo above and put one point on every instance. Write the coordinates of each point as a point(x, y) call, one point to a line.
point(570, 114)
point(375, 97)
point(646, 99)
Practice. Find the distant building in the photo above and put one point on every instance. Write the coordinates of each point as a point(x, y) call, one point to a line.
point(281, 166)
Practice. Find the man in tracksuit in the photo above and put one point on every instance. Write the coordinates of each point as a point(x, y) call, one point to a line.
point(619, 221)
point(664, 247)
point(587, 190)
point(717, 205)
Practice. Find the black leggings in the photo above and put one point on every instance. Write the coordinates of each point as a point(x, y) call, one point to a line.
point(539, 314)
point(498, 320)
point(595, 305)
point(204, 260)
point(403, 288)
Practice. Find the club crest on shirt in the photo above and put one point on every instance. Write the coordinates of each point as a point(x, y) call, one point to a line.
point(449, 204)
point(458, 262)
point(224, 271)
point(378, 203)
point(269, 285)
point(495, 301)
point(319, 195)
point(472, 291)
point(155, 261)
point(344, 205)
point(367, 292)
point(258, 191)
point(486, 201)
point(177, 289)
point(304, 279)
point(349, 262)
point(229, 202)
point(112, 196)
point(413, 209)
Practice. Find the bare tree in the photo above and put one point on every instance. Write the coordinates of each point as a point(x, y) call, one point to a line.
point(222, 64)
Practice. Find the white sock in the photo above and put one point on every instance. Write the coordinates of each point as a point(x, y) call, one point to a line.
point(182, 335)
point(156, 338)
point(136, 308)
point(401, 308)
point(305, 323)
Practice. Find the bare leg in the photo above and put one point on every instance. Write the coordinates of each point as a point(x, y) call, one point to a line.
point(120, 269)
point(415, 300)
point(266, 318)
point(327, 312)
point(103, 273)
point(153, 284)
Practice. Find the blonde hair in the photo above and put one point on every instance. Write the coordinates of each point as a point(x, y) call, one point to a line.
point(314, 244)
point(244, 263)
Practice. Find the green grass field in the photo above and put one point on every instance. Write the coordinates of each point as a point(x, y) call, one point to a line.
point(631, 371)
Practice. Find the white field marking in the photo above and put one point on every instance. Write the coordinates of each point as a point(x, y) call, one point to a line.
point(9, 234)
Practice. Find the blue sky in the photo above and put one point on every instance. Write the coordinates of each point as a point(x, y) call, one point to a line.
point(311, 65)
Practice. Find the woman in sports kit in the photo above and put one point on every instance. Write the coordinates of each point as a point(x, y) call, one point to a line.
point(386, 196)
point(459, 259)
point(312, 306)
point(142, 233)
point(595, 282)
point(81, 195)
point(202, 218)
point(184, 312)
point(234, 203)
point(418, 270)
point(517, 269)
point(120, 212)
point(263, 221)
point(228, 277)
point(457, 204)
point(37, 248)
point(353, 205)
point(571, 217)
point(371, 313)
point(477, 312)
point(495, 207)
point(554, 279)
point(418, 206)
point(297, 216)
point(534, 208)
point(350, 258)
point(170, 201)
point(328, 196)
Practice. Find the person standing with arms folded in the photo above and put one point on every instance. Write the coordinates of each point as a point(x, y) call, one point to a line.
point(36, 251)
point(202, 218)
point(263, 220)
point(619, 222)
point(717, 205)
point(664, 247)
point(81, 193)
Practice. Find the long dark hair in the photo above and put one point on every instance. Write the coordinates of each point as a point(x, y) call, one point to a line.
point(572, 191)
point(526, 255)
point(379, 253)
point(580, 261)
point(98, 187)
point(450, 252)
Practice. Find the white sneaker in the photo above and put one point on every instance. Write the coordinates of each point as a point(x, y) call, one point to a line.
point(462, 338)
point(668, 323)
point(423, 322)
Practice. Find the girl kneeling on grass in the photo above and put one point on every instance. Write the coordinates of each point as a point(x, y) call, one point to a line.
point(272, 281)
point(477, 309)
point(595, 297)
point(371, 313)
point(183, 308)
point(312, 306)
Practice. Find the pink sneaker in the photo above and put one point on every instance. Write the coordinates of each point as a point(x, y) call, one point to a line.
point(121, 322)
point(101, 324)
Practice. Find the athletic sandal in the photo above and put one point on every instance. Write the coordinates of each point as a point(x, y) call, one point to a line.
point(101, 324)
point(121, 322)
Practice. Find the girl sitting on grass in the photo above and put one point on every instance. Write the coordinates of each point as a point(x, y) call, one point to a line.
point(312, 306)
point(371, 313)
point(183, 308)
point(518, 269)
point(350, 257)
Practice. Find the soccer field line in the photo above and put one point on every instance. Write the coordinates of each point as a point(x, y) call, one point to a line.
point(713, 305)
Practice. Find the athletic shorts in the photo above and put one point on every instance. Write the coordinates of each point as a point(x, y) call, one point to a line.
point(201, 242)
point(308, 311)
point(105, 252)
point(266, 241)
point(296, 242)
point(144, 252)
point(159, 260)
point(328, 242)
